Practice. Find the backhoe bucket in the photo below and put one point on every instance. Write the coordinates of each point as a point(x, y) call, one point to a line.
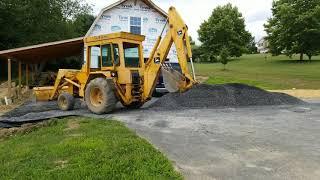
point(172, 79)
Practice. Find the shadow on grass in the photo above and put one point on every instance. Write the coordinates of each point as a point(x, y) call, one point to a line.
point(225, 70)
point(217, 62)
point(293, 61)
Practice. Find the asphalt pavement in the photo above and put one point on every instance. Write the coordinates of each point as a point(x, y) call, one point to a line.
point(270, 142)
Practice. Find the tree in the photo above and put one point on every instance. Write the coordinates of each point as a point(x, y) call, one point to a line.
point(294, 28)
point(225, 28)
point(26, 22)
point(251, 47)
point(82, 23)
point(224, 54)
point(196, 53)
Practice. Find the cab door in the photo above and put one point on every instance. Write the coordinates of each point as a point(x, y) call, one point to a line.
point(107, 60)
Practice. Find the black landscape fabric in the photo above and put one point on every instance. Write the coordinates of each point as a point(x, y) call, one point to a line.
point(224, 95)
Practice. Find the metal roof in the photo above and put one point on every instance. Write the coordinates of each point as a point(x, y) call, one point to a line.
point(46, 51)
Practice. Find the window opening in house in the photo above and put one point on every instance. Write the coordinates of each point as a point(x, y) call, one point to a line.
point(135, 25)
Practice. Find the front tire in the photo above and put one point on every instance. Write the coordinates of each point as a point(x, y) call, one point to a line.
point(100, 97)
point(66, 102)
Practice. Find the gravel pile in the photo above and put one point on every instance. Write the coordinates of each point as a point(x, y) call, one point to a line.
point(225, 95)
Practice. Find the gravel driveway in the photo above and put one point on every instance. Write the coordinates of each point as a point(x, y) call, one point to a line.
point(271, 142)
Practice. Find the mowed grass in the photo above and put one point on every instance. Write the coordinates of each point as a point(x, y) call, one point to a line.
point(82, 148)
point(265, 71)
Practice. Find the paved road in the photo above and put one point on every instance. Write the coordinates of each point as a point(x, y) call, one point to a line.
point(248, 143)
point(274, 142)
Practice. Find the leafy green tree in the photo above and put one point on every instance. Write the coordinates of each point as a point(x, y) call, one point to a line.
point(26, 22)
point(251, 47)
point(224, 55)
point(196, 53)
point(82, 23)
point(294, 27)
point(225, 28)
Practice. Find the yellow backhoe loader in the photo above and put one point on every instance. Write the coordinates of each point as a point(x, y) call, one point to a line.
point(123, 74)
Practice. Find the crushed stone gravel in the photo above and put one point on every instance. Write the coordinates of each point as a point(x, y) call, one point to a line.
point(201, 96)
point(224, 95)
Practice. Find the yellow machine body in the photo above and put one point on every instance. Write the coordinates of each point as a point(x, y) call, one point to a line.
point(132, 77)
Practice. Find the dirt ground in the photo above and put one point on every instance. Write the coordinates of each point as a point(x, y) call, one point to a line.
point(301, 93)
point(17, 102)
point(202, 79)
point(25, 128)
point(3, 92)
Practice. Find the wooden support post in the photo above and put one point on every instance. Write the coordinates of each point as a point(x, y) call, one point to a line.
point(20, 78)
point(9, 79)
point(36, 71)
point(27, 76)
point(32, 73)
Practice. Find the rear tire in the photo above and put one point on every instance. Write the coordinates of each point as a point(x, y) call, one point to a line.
point(100, 97)
point(66, 102)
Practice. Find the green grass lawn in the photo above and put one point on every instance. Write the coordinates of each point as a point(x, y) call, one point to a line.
point(82, 148)
point(278, 72)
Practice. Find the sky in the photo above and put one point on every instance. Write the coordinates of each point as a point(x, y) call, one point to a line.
point(194, 12)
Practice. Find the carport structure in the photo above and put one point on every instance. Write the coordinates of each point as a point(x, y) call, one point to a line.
point(37, 54)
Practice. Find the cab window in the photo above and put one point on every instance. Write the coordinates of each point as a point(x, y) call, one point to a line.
point(106, 55)
point(131, 54)
point(95, 55)
point(116, 54)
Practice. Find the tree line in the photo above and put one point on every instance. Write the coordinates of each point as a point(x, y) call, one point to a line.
point(223, 35)
point(29, 22)
point(294, 28)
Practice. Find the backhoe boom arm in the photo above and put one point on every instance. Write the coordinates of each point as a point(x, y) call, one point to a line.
point(178, 35)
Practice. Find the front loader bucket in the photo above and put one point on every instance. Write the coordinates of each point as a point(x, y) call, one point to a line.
point(172, 79)
point(64, 83)
point(45, 93)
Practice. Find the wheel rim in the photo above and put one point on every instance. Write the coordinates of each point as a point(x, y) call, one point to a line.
point(63, 102)
point(96, 96)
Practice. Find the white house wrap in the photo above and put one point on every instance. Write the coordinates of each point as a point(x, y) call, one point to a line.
point(135, 16)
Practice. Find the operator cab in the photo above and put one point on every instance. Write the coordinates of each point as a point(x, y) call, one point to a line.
point(120, 56)
point(112, 51)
